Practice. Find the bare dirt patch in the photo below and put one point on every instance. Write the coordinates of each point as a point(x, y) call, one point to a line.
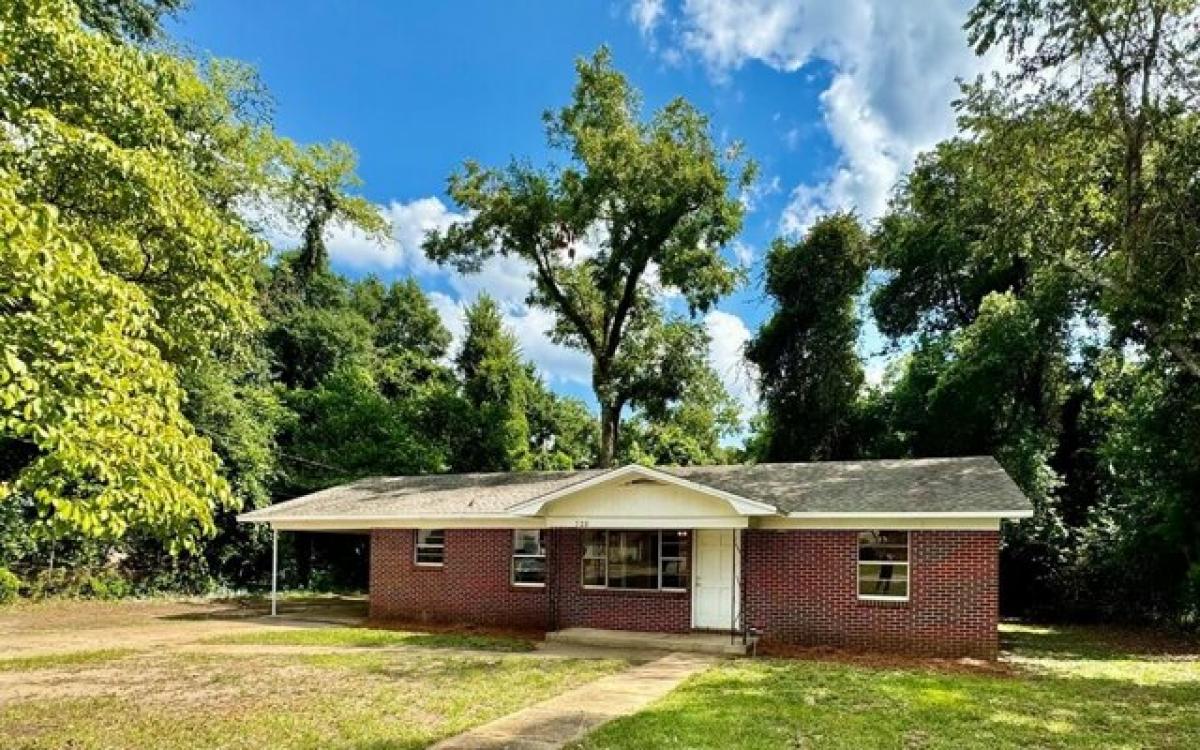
point(57, 626)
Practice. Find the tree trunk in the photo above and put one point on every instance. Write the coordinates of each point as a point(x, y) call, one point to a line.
point(610, 416)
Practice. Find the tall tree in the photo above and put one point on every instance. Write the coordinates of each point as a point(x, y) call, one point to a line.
point(810, 373)
point(1107, 95)
point(496, 385)
point(640, 203)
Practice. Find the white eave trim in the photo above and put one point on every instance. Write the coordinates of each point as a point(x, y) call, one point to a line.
point(913, 514)
point(391, 518)
point(743, 505)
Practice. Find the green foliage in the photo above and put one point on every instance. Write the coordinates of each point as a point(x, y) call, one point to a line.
point(496, 385)
point(345, 429)
point(311, 343)
point(140, 20)
point(810, 374)
point(129, 268)
point(561, 429)
point(10, 586)
point(313, 188)
point(686, 430)
point(81, 381)
point(1103, 101)
point(636, 196)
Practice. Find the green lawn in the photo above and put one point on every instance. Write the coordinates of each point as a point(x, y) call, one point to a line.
point(67, 659)
point(373, 638)
point(1066, 688)
point(194, 699)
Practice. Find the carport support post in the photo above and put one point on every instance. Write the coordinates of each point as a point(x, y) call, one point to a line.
point(274, 571)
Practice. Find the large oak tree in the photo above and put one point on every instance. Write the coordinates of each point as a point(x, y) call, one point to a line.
point(640, 204)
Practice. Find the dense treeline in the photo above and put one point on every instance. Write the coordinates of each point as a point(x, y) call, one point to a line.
point(1037, 278)
point(163, 368)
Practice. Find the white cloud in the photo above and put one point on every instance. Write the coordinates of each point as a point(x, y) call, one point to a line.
point(726, 354)
point(646, 14)
point(895, 69)
point(743, 253)
point(410, 222)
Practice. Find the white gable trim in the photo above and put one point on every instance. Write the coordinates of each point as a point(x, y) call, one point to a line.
point(743, 505)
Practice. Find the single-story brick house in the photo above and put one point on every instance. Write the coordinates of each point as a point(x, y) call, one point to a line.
point(881, 555)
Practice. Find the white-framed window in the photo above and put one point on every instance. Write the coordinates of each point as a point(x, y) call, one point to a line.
point(529, 557)
point(636, 559)
point(430, 547)
point(883, 565)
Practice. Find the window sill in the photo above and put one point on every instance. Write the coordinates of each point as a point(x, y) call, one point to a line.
point(605, 591)
point(884, 602)
point(526, 586)
point(429, 566)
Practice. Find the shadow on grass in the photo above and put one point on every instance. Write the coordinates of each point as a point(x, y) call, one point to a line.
point(1094, 642)
point(315, 608)
point(362, 637)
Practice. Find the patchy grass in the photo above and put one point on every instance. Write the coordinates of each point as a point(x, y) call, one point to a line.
point(1065, 688)
point(373, 638)
point(368, 699)
point(63, 660)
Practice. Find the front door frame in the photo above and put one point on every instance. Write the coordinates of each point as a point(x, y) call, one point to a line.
point(735, 572)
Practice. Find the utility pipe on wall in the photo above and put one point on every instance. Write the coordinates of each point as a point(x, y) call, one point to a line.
point(274, 571)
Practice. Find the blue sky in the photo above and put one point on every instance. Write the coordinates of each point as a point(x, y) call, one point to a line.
point(832, 100)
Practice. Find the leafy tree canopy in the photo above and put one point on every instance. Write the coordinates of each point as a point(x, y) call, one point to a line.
point(640, 203)
point(133, 160)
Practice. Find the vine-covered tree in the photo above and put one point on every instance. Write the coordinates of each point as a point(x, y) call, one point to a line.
point(810, 373)
point(641, 203)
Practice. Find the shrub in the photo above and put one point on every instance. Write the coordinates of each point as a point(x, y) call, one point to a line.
point(106, 584)
point(10, 586)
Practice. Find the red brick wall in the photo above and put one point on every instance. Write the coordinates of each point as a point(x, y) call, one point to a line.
point(801, 588)
point(473, 586)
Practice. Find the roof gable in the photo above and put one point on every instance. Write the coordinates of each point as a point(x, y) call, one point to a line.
point(632, 472)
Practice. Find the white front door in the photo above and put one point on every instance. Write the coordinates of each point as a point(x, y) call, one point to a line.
point(714, 579)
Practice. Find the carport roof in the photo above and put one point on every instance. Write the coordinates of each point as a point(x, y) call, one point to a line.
point(968, 486)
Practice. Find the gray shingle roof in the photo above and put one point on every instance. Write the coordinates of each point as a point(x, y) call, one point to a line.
point(934, 485)
point(926, 485)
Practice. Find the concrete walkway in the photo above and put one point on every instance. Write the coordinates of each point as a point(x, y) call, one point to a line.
point(569, 716)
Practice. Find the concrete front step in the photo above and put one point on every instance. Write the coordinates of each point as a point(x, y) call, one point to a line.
point(719, 644)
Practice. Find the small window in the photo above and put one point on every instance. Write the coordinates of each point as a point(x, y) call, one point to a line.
point(595, 559)
point(431, 546)
point(883, 565)
point(529, 558)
